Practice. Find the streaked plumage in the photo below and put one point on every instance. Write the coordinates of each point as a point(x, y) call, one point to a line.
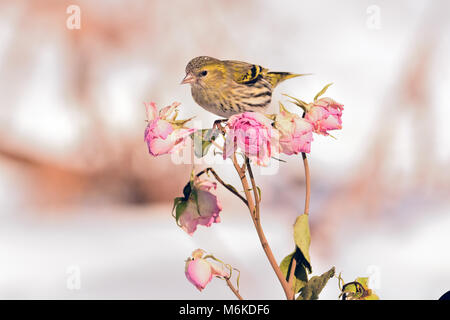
point(227, 87)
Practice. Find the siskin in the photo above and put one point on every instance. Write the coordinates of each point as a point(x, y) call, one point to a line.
point(227, 87)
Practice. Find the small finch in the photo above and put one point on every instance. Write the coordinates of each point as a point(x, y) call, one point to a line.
point(227, 87)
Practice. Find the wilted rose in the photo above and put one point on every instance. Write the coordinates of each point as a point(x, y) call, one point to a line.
point(200, 271)
point(325, 114)
point(164, 135)
point(253, 134)
point(295, 132)
point(199, 206)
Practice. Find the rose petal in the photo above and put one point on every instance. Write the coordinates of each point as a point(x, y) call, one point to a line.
point(205, 211)
point(150, 110)
point(158, 146)
point(253, 134)
point(199, 273)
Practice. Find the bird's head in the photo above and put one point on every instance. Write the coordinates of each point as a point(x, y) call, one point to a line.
point(204, 72)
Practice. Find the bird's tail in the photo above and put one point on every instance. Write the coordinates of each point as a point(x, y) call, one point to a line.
point(275, 78)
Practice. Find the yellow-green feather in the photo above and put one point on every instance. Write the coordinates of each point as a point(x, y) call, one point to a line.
point(274, 78)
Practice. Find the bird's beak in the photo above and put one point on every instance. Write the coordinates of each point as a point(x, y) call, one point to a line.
point(188, 79)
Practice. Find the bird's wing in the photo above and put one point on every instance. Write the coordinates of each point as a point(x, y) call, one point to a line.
point(243, 72)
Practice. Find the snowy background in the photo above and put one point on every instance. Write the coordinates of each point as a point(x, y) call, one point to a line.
point(80, 196)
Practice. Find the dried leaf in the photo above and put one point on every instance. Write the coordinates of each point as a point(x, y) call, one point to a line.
point(321, 92)
point(315, 285)
point(302, 238)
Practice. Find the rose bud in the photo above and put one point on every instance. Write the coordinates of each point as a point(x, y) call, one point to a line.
point(199, 206)
point(253, 134)
point(295, 132)
point(164, 135)
point(325, 114)
point(200, 271)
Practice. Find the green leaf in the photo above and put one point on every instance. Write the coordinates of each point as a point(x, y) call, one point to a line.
point(302, 238)
point(351, 291)
point(350, 288)
point(232, 187)
point(364, 281)
point(358, 290)
point(176, 201)
point(301, 276)
point(270, 116)
point(194, 195)
point(286, 263)
point(321, 92)
point(282, 107)
point(315, 285)
point(180, 123)
point(180, 209)
point(203, 150)
point(302, 104)
point(203, 141)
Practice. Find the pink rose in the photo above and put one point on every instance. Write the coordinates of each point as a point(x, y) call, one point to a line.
point(199, 206)
point(253, 134)
point(200, 271)
point(325, 114)
point(295, 132)
point(164, 135)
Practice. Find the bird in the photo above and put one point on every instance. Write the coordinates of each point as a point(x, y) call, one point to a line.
point(228, 87)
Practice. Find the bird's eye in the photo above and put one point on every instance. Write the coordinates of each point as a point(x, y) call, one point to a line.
point(203, 73)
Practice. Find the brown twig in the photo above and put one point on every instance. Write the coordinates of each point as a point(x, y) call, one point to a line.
point(306, 211)
point(255, 191)
point(291, 277)
point(226, 185)
point(235, 291)
point(253, 206)
point(307, 183)
point(254, 212)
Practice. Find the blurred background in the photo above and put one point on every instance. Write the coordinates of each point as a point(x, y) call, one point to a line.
point(81, 198)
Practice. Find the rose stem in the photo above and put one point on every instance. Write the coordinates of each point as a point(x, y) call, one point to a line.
point(291, 277)
point(307, 183)
point(254, 213)
point(306, 211)
point(232, 190)
point(236, 292)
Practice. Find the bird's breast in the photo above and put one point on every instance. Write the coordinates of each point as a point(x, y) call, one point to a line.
point(235, 98)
